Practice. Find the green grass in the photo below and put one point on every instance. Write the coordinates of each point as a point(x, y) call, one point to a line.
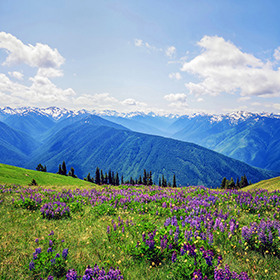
point(11, 175)
point(270, 185)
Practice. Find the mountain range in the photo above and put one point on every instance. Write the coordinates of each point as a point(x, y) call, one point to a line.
point(128, 143)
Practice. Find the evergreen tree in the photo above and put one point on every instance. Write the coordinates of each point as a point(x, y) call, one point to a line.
point(243, 181)
point(159, 182)
point(224, 183)
point(174, 182)
point(41, 168)
point(63, 168)
point(163, 181)
point(101, 177)
point(106, 179)
point(117, 180)
point(145, 181)
point(140, 180)
point(237, 183)
point(150, 180)
point(72, 172)
point(97, 176)
point(231, 184)
point(88, 178)
point(45, 169)
point(59, 170)
point(110, 177)
point(113, 178)
point(131, 181)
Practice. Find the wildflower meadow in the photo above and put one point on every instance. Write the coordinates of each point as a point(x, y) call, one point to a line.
point(137, 232)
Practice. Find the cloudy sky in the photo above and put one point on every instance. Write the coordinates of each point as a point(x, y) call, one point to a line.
point(179, 56)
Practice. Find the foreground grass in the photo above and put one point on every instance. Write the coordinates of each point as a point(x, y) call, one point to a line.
point(85, 236)
point(12, 175)
point(270, 185)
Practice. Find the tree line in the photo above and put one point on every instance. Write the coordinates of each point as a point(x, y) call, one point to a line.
point(230, 184)
point(113, 178)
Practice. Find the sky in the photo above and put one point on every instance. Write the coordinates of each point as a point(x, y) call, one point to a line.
point(169, 57)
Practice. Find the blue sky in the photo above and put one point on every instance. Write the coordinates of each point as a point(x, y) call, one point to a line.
point(177, 57)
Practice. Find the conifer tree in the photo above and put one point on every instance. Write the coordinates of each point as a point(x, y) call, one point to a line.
point(224, 183)
point(163, 182)
point(88, 178)
point(150, 181)
point(159, 182)
point(174, 182)
point(145, 181)
point(237, 183)
point(243, 181)
point(101, 177)
point(106, 178)
point(41, 168)
point(231, 184)
point(117, 180)
point(131, 181)
point(140, 182)
point(113, 178)
point(110, 177)
point(63, 168)
point(97, 176)
point(59, 170)
point(72, 172)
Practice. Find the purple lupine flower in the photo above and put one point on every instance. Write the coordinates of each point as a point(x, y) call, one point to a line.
point(57, 255)
point(71, 275)
point(115, 227)
point(197, 275)
point(220, 259)
point(50, 250)
point(65, 253)
point(52, 261)
point(38, 250)
point(52, 233)
point(88, 273)
point(50, 243)
point(36, 240)
point(31, 265)
point(174, 257)
point(50, 277)
point(108, 229)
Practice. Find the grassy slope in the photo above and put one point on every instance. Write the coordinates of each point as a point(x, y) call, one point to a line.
point(270, 185)
point(12, 175)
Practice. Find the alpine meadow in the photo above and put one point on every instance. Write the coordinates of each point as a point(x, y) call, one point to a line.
point(139, 140)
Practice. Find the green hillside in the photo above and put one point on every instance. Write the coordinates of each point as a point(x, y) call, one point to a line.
point(270, 185)
point(85, 146)
point(11, 175)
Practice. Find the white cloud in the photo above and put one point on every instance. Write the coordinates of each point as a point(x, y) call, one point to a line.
point(138, 42)
point(177, 99)
point(132, 102)
point(225, 68)
point(200, 99)
point(244, 98)
point(170, 51)
point(16, 74)
point(256, 104)
point(176, 76)
point(50, 72)
point(40, 55)
point(98, 100)
point(277, 53)
point(276, 106)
